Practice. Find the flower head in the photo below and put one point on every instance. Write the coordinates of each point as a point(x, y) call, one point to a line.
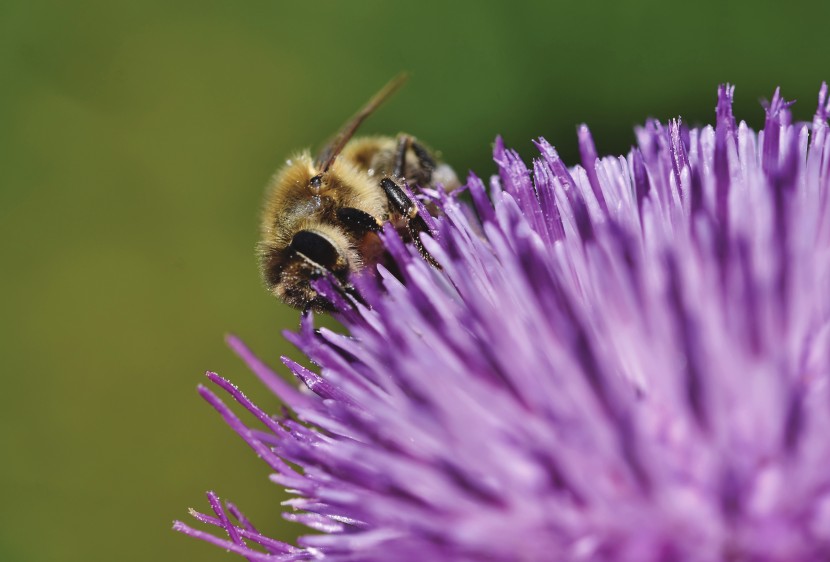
point(622, 360)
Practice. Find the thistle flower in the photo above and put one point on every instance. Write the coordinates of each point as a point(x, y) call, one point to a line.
point(623, 360)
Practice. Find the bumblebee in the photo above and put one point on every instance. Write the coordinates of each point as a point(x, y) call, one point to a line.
point(323, 215)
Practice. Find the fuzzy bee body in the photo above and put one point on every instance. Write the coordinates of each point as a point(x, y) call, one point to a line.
point(323, 215)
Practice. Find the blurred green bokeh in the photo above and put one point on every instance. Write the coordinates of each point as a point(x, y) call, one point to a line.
point(135, 140)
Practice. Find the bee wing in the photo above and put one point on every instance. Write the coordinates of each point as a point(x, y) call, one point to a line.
point(333, 147)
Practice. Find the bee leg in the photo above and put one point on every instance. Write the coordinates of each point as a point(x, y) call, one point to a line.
point(426, 164)
point(425, 159)
point(344, 289)
point(400, 156)
point(415, 223)
point(351, 291)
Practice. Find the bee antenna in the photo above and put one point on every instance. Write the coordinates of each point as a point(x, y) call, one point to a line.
point(327, 156)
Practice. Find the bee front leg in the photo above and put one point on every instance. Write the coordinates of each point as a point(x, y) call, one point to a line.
point(404, 206)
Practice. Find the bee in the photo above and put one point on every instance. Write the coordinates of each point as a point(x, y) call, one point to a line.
point(322, 215)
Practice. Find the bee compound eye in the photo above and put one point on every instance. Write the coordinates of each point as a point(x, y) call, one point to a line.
point(272, 263)
point(318, 248)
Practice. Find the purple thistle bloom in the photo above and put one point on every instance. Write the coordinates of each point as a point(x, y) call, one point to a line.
point(623, 360)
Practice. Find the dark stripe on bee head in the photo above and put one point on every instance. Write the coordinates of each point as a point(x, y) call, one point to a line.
point(317, 248)
point(357, 221)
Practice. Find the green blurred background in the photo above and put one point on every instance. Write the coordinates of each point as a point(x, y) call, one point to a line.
point(135, 140)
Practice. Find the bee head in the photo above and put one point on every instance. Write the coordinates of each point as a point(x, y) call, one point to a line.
point(289, 272)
